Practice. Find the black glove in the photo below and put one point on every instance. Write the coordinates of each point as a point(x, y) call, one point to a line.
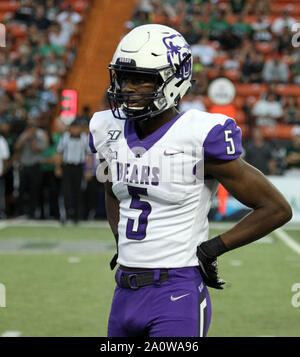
point(209, 269)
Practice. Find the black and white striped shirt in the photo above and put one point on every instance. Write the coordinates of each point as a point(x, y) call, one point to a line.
point(74, 149)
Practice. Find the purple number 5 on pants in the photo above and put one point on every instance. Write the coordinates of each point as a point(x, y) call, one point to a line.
point(178, 307)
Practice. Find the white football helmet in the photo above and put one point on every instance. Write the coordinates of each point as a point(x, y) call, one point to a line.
point(151, 50)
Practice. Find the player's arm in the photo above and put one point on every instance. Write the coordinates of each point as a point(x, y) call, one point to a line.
point(112, 206)
point(253, 189)
point(222, 148)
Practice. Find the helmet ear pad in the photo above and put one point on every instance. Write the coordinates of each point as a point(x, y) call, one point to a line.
point(175, 83)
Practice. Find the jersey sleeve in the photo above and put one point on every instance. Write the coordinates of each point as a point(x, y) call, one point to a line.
point(223, 142)
point(98, 131)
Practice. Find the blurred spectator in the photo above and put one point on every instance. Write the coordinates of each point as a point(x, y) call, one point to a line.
point(252, 68)
point(53, 69)
point(200, 78)
point(205, 51)
point(260, 7)
point(247, 48)
point(4, 115)
point(50, 184)
point(230, 41)
point(8, 132)
point(293, 153)
point(218, 26)
point(45, 47)
point(282, 22)
point(191, 102)
point(258, 153)
point(86, 115)
point(238, 7)
point(25, 12)
point(261, 28)
point(272, 88)
point(296, 71)
point(69, 15)
point(93, 193)
point(276, 71)
point(233, 62)
point(39, 19)
point(69, 20)
point(5, 65)
point(146, 5)
point(30, 146)
point(199, 23)
point(291, 112)
point(241, 28)
point(285, 42)
point(72, 149)
point(267, 111)
point(141, 18)
point(4, 156)
point(52, 10)
point(188, 33)
point(59, 36)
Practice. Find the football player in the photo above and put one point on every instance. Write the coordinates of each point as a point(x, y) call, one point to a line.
point(157, 214)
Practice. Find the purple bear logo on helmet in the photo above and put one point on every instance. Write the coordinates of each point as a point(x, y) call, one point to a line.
point(178, 49)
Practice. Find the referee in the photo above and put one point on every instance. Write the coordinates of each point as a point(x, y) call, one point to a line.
point(72, 149)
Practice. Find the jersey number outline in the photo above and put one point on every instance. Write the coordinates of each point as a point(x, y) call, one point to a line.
point(145, 207)
point(230, 149)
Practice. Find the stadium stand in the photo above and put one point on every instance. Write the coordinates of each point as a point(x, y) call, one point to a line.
point(45, 53)
point(49, 47)
point(41, 40)
point(235, 31)
point(41, 46)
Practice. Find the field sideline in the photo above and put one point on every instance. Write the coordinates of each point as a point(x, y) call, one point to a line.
point(58, 282)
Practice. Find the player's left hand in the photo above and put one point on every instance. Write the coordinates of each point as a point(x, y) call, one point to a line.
point(209, 270)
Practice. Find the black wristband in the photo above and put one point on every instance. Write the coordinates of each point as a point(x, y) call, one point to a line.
point(214, 247)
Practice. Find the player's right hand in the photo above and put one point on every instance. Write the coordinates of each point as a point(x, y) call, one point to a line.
point(209, 270)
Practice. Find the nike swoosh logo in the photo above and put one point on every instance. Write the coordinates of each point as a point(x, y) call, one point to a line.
point(168, 153)
point(178, 297)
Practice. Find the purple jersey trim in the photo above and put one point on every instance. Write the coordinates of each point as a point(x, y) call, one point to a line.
point(91, 144)
point(218, 147)
point(133, 140)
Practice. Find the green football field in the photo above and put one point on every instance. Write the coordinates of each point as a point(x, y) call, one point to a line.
point(56, 281)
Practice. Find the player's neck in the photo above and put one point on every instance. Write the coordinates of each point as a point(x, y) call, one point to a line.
point(147, 127)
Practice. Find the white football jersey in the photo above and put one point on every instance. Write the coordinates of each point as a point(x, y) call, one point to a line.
point(164, 198)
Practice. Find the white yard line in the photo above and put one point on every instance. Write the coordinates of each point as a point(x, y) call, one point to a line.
point(286, 239)
point(19, 222)
point(2, 225)
point(291, 226)
point(11, 334)
point(37, 223)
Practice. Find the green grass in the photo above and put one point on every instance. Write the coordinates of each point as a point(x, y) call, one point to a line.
point(57, 233)
point(295, 234)
point(46, 295)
